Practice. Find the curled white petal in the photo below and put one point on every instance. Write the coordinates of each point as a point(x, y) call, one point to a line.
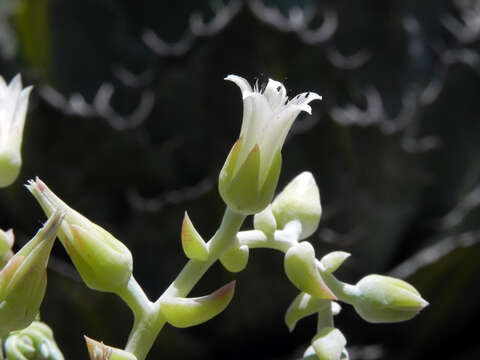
point(268, 115)
point(241, 83)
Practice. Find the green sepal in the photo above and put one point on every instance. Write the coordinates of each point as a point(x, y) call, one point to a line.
point(243, 190)
point(332, 261)
point(228, 171)
point(241, 193)
point(300, 268)
point(10, 166)
point(185, 312)
point(192, 243)
point(302, 306)
point(236, 259)
point(329, 344)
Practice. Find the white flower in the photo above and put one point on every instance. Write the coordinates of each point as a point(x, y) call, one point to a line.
point(13, 108)
point(249, 177)
point(268, 115)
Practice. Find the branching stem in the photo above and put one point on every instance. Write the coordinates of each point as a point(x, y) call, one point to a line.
point(149, 320)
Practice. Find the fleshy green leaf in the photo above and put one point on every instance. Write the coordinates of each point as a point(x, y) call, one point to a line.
point(193, 244)
point(186, 312)
point(302, 306)
point(301, 270)
point(236, 259)
point(332, 261)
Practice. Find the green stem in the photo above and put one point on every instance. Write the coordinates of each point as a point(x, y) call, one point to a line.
point(283, 240)
point(135, 298)
point(345, 292)
point(325, 317)
point(151, 321)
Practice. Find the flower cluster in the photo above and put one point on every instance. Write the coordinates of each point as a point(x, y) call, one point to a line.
point(247, 183)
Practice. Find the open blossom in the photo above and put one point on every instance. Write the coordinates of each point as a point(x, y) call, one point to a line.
point(13, 108)
point(249, 177)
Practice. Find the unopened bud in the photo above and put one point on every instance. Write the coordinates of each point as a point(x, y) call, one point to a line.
point(329, 344)
point(99, 351)
point(34, 342)
point(300, 200)
point(301, 270)
point(23, 279)
point(185, 312)
point(384, 299)
point(104, 263)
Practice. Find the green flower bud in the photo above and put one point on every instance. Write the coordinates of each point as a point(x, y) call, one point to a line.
point(265, 221)
point(302, 306)
point(384, 299)
point(332, 261)
point(235, 259)
point(35, 342)
point(186, 312)
point(300, 200)
point(301, 270)
point(6, 243)
point(99, 351)
point(104, 263)
point(24, 279)
point(329, 344)
point(13, 108)
point(193, 244)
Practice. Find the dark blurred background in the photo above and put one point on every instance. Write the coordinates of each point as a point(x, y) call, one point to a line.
point(131, 120)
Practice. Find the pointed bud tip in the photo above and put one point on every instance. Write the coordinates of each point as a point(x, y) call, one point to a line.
point(423, 303)
point(186, 223)
point(35, 184)
point(225, 290)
